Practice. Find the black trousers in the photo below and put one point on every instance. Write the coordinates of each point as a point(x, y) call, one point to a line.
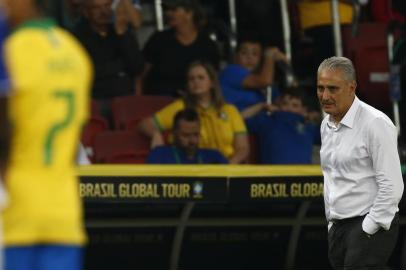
point(349, 247)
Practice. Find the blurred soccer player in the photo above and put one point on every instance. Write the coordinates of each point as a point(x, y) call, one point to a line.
point(50, 77)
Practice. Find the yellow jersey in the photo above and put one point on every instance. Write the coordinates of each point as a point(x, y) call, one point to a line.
point(217, 129)
point(50, 76)
point(318, 12)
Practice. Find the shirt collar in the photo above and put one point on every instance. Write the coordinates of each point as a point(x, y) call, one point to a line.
point(40, 23)
point(349, 117)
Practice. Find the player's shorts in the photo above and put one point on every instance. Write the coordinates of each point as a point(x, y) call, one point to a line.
point(44, 257)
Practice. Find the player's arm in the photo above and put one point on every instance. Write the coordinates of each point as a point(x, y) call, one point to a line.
point(5, 132)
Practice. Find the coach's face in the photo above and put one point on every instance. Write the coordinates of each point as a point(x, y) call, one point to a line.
point(335, 93)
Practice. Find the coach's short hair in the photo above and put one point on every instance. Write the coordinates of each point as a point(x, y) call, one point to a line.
point(339, 63)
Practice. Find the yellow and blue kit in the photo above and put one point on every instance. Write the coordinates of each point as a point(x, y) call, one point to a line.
point(50, 76)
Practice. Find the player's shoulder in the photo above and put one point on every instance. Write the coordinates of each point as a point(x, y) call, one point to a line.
point(39, 32)
point(32, 34)
point(74, 46)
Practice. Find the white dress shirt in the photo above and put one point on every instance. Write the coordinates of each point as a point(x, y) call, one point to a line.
point(361, 167)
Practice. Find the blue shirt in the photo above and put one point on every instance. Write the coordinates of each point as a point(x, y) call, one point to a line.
point(4, 81)
point(231, 80)
point(173, 155)
point(285, 138)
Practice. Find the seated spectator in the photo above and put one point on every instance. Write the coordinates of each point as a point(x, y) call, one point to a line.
point(222, 126)
point(169, 53)
point(116, 57)
point(284, 136)
point(185, 149)
point(244, 81)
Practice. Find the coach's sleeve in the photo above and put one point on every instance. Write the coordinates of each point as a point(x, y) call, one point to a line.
point(382, 147)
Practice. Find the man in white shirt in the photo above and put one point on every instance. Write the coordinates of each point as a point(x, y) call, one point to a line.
point(362, 174)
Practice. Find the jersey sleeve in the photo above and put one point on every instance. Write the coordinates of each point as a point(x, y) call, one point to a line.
point(236, 120)
point(164, 118)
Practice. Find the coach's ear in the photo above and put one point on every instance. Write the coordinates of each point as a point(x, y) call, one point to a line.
point(353, 87)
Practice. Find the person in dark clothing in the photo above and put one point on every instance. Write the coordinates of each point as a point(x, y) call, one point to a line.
point(170, 52)
point(117, 58)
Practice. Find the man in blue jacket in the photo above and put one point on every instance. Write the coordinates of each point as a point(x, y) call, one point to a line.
point(185, 148)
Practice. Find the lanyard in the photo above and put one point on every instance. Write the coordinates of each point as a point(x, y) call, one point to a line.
point(178, 160)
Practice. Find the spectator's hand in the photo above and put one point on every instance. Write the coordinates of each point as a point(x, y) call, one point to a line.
point(271, 107)
point(273, 53)
point(121, 23)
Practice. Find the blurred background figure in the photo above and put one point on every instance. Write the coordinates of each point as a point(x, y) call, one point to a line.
point(222, 126)
point(116, 57)
point(286, 136)
point(185, 148)
point(169, 53)
point(244, 82)
point(67, 13)
point(315, 21)
point(50, 76)
point(127, 14)
point(262, 18)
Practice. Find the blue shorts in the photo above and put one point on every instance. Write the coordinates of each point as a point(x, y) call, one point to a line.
point(43, 257)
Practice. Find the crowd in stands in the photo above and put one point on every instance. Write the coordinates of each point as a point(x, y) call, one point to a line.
point(221, 98)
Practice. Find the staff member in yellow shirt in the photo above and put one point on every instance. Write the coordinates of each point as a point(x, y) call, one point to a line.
point(50, 77)
point(222, 127)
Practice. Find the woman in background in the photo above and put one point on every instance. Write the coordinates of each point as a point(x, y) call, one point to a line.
point(222, 126)
point(168, 53)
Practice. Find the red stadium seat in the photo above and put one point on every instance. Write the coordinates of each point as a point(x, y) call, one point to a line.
point(96, 124)
point(125, 147)
point(94, 107)
point(369, 53)
point(129, 110)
